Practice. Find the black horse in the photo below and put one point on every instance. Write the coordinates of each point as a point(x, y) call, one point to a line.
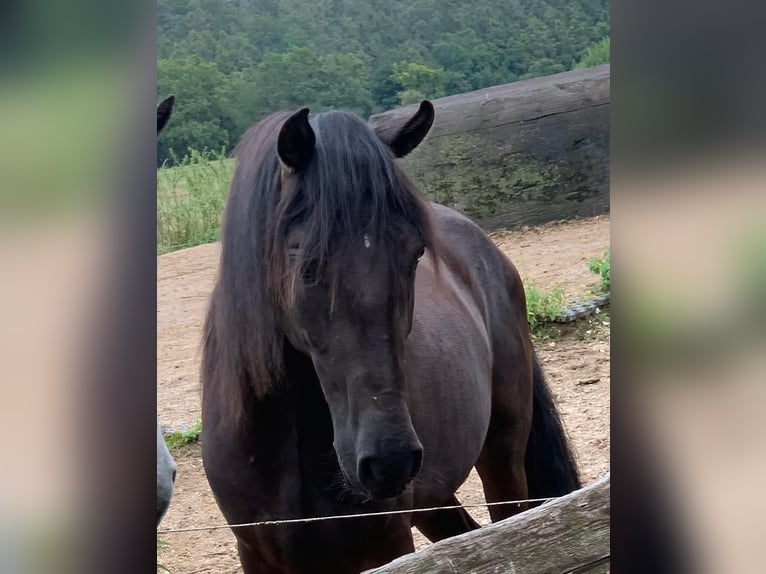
point(363, 350)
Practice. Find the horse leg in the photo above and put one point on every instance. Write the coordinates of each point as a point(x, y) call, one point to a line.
point(251, 562)
point(441, 524)
point(501, 462)
point(393, 538)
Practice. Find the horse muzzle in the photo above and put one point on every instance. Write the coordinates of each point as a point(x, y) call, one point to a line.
point(387, 474)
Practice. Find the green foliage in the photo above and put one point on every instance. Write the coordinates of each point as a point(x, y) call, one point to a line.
point(299, 77)
point(596, 54)
point(184, 438)
point(418, 82)
point(600, 266)
point(201, 117)
point(230, 62)
point(190, 200)
point(544, 67)
point(542, 306)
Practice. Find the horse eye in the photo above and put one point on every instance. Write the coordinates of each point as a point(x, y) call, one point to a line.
point(416, 261)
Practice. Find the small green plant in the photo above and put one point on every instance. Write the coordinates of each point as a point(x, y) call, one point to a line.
point(600, 266)
point(161, 567)
point(542, 306)
point(184, 438)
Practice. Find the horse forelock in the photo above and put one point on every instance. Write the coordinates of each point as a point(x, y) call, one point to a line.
point(352, 188)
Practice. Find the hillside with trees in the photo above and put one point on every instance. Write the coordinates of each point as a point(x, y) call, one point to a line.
point(230, 62)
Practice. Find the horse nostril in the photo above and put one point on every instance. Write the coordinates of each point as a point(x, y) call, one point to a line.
point(173, 478)
point(391, 470)
point(417, 460)
point(364, 470)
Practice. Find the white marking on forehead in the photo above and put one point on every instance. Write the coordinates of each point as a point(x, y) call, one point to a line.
point(367, 243)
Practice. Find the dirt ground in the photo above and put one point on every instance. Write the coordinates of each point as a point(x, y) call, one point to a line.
point(575, 359)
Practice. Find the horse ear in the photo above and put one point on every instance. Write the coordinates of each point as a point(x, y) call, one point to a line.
point(296, 141)
point(163, 112)
point(408, 137)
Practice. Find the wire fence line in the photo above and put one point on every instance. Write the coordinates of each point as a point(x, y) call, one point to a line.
point(347, 516)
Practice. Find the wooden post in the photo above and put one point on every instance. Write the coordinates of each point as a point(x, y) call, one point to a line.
point(518, 154)
point(567, 535)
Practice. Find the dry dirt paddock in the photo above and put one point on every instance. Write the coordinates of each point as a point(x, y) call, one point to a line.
point(575, 358)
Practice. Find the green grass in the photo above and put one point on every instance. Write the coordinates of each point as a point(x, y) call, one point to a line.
point(542, 306)
point(190, 200)
point(184, 438)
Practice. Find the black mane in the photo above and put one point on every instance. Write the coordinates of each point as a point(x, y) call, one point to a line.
point(351, 187)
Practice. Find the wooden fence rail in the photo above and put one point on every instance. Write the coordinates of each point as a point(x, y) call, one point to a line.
point(518, 154)
point(567, 535)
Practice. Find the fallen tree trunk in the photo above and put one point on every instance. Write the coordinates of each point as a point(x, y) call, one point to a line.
point(518, 154)
point(567, 535)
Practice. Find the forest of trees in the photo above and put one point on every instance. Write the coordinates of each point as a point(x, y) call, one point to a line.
point(230, 62)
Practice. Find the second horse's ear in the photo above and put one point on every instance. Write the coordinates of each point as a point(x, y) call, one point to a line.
point(164, 110)
point(296, 141)
point(404, 139)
